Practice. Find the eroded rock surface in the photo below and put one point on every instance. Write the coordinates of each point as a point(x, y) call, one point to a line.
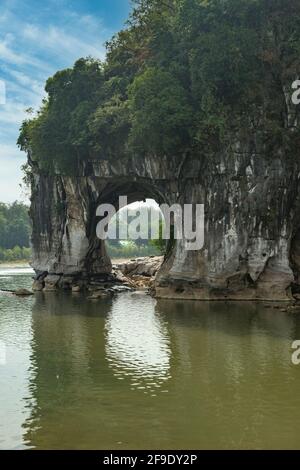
point(252, 225)
point(147, 267)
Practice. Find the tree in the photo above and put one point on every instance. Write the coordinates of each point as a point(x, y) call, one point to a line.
point(161, 114)
point(184, 76)
point(14, 225)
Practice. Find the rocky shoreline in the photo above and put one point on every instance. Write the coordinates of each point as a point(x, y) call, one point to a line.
point(138, 274)
point(130, 275)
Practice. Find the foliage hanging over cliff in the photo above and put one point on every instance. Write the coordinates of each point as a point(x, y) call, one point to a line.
point(181, 77)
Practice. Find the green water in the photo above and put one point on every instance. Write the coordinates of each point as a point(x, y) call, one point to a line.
point(134, 373)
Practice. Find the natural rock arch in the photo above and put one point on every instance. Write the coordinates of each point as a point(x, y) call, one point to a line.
point(251, 214)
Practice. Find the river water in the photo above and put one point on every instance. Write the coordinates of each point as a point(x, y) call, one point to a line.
point(135, 373)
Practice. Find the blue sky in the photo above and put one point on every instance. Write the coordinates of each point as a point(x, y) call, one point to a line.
point(36, 39)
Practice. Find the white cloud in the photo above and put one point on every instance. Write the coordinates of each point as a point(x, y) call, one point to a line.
point(67, 45)
point(23, 89)
point(12, 113)
point(11, 160)
point(11, 152)
point(8, 55)
point(32, 47)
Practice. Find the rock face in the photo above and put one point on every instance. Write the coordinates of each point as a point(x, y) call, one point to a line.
point(147, 267)
point(252, 225)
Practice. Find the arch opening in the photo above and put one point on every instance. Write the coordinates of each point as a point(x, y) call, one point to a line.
point(140, 220)
point(134, 231)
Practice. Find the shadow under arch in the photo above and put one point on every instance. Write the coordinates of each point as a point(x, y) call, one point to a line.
point(135, 190)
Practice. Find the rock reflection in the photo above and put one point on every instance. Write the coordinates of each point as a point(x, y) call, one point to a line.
point(85, 373)
point(66, 373)
point(138, 343)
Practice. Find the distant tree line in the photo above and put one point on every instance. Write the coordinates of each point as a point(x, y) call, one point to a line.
point(131, 250)
point(15, 237)
point(14, 232)
point(118, 248)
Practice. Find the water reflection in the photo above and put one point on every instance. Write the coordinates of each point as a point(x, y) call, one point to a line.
point(15, 337)
point(138, 343)
point(82, 374)
point(67, 368)
point(15, 271)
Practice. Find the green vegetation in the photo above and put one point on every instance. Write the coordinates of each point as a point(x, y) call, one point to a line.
point(131, 250)
point(184, 76)
point(118, 248)
point(160, 244)
point(14, 232)
point(15, 237)
point(15, 254)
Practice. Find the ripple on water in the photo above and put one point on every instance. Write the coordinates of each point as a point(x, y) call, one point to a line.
point(138, 343)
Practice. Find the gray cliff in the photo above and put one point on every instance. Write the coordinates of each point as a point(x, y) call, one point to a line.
point(252, 236)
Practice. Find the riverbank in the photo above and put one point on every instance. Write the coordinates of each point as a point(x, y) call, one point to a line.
point(25, 263)
point(14, 264)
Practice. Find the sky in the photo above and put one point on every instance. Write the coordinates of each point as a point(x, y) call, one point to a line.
point(37, 38)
